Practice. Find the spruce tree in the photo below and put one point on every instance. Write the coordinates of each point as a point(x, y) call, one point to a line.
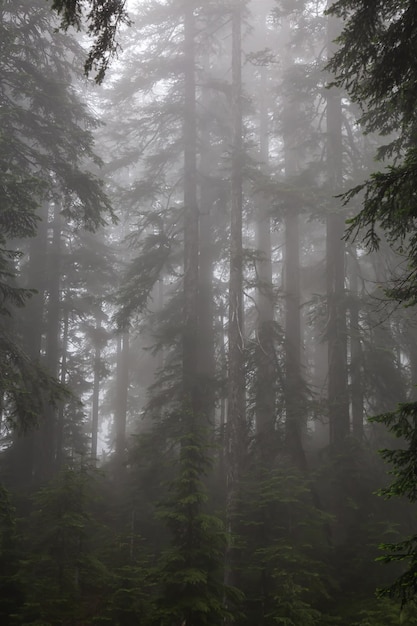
point(45, 151)
point(376, 64)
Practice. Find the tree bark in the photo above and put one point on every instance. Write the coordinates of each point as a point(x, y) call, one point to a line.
point(265, 357)
point(96, 389)
point(294, 394)
point(295, 412)
point(122, 386)
point(236, 419)
point(338, 397)
point(356, 357)
point(207, 367)
point(46, 436)
point(62, 378)
point(191, 222)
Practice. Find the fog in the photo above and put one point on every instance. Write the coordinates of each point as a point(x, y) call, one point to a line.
point(195, 331)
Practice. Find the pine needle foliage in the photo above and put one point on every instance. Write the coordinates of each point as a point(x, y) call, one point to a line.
point(191, 570)
point(282, 539)
point(11, 591)
point(62, 570)
point(402, 423)
point(102, 20)
point(376, 63)
point(25, 385)
point(384, 611)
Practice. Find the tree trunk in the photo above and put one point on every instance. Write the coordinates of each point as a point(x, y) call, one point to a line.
point(62, 378)
point(236, 420)
point(206, 370)
point(294, 405)
point(46, 440)
point(265, 356)
point(96, 390)
point(338, 398)
point(294, 393)
point(412, 342)
point(294, 387)
point(191, 223)
point(356, 357)
point(122, 386)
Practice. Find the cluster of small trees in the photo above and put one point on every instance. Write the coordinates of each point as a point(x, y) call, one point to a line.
point(180, 306)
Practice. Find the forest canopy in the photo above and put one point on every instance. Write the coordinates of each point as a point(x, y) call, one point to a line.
point(204, 259)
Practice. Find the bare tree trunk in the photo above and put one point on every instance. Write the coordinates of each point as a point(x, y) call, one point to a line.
point(191, 222)
point(122, 385)
point(207, 367)
point(46, 447)
point(295, 406)
point(223, 399)
point(356, 356)
point(96, 389)
point(265, 357)
point(236, 420)
point(294, 388)
point(413, 363)
point(62, 378)
point(338, 397)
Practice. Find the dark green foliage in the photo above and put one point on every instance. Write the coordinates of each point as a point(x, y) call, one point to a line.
point(11, 590)
point(62, 571)
point(103, 20)
point(191, 570)
point(403, 424)
point(375, 612)
point(376, 63)
point(306, 541)
point(26, 387)
point(282, 542)
point(133, 599)
point(142, 275)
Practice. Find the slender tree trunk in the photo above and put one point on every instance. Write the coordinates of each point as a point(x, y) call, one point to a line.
point(96, 390)
point(319, 387)
point(206, 368)
point(223, 398)
point(265, 357)
point(191, 222)
point(62, 378)
point(295, 406)
point(122, 386)
point(294, 393)
point(356, 357)
point(338, 397)
point(47, 434)
point(413, 364)
point(236, 420)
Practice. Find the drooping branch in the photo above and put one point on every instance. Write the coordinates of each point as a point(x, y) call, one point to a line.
point(102, 20)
